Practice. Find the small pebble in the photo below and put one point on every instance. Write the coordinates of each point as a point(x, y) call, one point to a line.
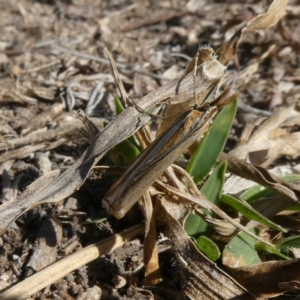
point(119, 281)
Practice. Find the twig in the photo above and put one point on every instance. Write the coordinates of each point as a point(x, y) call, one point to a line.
point(158, 18)
point(95, 98)
point(36, 69)
point(188, 58)
point(63, 267)
point(106, 62)
point(252, 110)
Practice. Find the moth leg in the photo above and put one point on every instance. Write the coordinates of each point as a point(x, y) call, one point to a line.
point(194, 77)
point(142, 111)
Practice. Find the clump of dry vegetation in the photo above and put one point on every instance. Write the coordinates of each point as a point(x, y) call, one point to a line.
point(152, 155)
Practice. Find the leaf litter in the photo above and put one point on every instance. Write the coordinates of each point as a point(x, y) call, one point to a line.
point(66, 67)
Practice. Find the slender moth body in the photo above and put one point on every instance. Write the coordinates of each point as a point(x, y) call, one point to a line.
point(162, 152)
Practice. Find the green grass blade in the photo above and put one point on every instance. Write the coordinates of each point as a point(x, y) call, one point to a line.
point(246, 210)
point(263, 247)
point(127, 151)
point(258, 192)
point(119, 106)
point(286, 244)
point(212, 189)
point(212, 144)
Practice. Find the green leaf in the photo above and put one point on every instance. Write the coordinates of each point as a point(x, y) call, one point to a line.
point(263, 247)
point(213, 186)
point(246, 210)
point(127, 151)
point(212, 189)
point(295, 207)
point(256, 192)
point(241, 250)
point(119, 106)
point(208, 248)
point(259, 192)
point(193, 225)
point(212, 144)
point(287, 243)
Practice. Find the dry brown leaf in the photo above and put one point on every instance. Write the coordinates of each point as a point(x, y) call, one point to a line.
point(201, 278)
point(275, 12)
point(265, 279)
point(271, 141)
point(235, 185)
point(152, 270)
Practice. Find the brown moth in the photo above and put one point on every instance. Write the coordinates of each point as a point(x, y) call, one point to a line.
point(154, 160)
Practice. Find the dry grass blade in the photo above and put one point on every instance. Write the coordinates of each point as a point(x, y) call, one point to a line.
point(152, 271)
point(118, 80)
point(67, 130)
point(27, 150)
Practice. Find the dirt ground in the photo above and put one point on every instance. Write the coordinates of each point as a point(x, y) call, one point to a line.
point(52, 62)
